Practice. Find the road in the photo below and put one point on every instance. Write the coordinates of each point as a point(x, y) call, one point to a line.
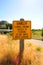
point(37, 42)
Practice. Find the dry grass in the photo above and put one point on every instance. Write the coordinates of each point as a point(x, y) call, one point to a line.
point(31, 56)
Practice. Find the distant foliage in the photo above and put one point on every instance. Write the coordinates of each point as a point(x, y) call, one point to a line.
point(2, 26)
point(5, 25)
point(9, 26)
point(42, 34)
point(42, 31)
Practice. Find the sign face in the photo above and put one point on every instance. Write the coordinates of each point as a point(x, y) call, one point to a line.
point(21, 29)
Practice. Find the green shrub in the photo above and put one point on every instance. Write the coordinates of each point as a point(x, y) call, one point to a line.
point(38, 49)
point(42, 34)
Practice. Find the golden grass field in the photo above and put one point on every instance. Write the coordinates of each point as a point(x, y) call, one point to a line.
point(32, 54)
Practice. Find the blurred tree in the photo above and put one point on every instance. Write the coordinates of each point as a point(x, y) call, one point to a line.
point(9, 26)
point(42, 34)
point(2, 26)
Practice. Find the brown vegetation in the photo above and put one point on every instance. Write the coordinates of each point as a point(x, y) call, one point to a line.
point(32, 54)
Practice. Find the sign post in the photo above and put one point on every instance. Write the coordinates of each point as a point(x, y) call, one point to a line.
point(21, 30)
point(21, 51)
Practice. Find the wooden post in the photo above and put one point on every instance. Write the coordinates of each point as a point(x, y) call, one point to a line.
point(21, 51)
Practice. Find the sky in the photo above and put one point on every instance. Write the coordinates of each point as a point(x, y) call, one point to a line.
point(28, 9)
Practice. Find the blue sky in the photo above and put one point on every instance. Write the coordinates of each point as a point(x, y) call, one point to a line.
point(28, 9)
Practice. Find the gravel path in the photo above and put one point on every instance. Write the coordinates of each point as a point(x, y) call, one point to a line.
point(38, 42)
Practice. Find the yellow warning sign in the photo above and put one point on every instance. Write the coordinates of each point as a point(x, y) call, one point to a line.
point(21, 29)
